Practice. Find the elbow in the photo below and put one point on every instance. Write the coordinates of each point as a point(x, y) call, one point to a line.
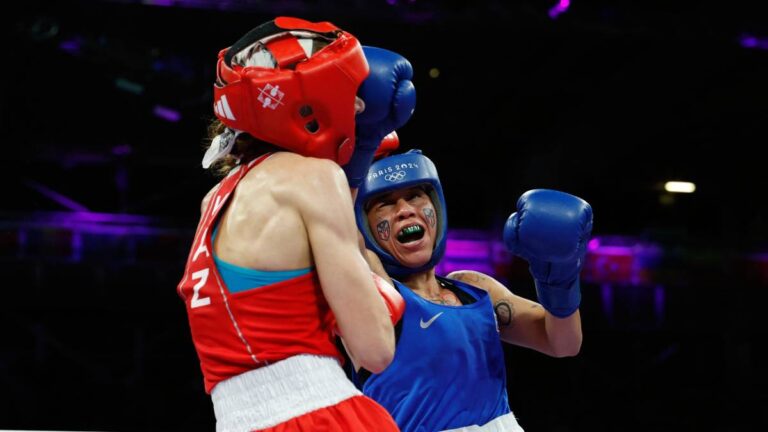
point(567, 352)
point(379, 355)
point(570, 348)
point(377, 362)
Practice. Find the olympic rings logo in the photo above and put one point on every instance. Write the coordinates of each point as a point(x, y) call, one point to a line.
point(395, 176)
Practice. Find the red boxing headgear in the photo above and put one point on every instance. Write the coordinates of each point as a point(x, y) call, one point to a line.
point(300, 100)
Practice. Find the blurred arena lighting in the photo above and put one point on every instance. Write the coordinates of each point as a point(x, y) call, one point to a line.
point(56, 197)
point(679, 187)
point(624, 267)
point(753, 42)
point(129, 86)
point(72, 46)
point(621, 260)
point(478, 250)
point(84, 236)
point(559, 8)
point(166, 113)
point(614, 259)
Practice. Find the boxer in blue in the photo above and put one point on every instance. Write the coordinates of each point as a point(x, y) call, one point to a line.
point(448, 372)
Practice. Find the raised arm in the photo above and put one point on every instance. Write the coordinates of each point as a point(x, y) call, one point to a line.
point(526, 323)
point(550, 230)
point(362, 317)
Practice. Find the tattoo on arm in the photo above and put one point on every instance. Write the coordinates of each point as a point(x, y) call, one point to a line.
point(505, 313)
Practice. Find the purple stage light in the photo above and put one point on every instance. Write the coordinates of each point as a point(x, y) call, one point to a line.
point(90, 218)
point(166, 113)
point(559, 8)
point(476, 250)
point(620, 260)
point(748, 41)
point(56, 197)
point(593, 244)
point(71, 46)
point(82, 235)
point(753, 42)
point(624, 269)
point(122, 150)
point(86, 222)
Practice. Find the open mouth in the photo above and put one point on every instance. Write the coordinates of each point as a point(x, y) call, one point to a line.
point(410, 233)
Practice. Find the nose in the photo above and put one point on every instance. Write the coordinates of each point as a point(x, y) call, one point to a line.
point(404, 209)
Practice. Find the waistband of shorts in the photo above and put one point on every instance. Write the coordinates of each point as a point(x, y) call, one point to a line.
point(504, 423)
point(275, 393)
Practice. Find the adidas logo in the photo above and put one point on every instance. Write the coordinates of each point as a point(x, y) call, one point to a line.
point(222, 108)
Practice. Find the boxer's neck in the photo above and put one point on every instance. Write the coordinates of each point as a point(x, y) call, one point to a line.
point(425, 284)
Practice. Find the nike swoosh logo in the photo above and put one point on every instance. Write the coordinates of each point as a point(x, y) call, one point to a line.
point(428, 323)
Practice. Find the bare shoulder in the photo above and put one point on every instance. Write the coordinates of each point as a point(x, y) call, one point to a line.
point(306, 181)
point(497, 290)
point(207, 199)
point(301, 171)
point(474, 278)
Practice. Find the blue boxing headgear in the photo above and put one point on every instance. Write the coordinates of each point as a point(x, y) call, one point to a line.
point(399, 172)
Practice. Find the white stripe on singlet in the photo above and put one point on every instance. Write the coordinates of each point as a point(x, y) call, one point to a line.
point(272, 394)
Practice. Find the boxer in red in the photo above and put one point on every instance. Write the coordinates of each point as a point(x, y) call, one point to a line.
point(275, 265)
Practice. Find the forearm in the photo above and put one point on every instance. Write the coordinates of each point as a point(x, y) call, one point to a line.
point(362, 317)
point(524, 322)
point(563, 334)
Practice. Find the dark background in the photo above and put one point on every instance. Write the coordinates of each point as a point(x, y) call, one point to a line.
point(607, 102)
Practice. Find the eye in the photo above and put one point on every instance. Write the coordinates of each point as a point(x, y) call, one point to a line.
point(415, 195)
point(381, 204)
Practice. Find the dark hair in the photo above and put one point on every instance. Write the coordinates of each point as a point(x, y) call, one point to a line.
point(245, 150)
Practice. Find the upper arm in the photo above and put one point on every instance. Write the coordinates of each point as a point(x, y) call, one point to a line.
point(521, 321)
point(323, 200)
point(325, 204)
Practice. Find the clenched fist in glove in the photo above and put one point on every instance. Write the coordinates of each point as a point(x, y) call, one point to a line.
point(389, 99)
point(550, 230)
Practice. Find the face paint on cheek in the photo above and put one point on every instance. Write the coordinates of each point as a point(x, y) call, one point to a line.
point(383, 229)
point(429, 213)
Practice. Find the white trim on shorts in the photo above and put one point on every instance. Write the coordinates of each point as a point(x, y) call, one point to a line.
point(273, 394)
point(505, 423)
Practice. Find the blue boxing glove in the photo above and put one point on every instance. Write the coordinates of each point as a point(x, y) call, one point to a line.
point(550, 230)
point(389, 97)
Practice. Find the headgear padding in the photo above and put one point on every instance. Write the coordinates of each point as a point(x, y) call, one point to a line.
point(292, 83)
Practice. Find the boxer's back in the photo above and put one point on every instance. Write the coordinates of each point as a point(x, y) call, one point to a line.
point(262, 228)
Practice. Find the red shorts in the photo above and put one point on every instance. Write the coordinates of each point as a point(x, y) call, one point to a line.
point(358, 413)
point(300, 393)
